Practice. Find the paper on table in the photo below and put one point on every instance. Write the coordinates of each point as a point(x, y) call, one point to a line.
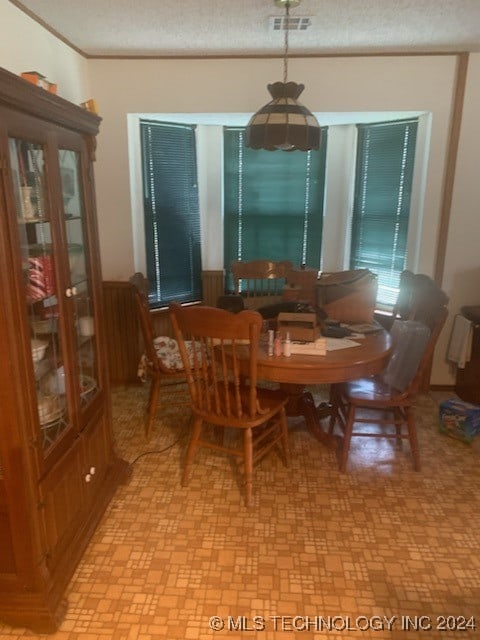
point(340, 343)
point(321, 346)
point(316, 348)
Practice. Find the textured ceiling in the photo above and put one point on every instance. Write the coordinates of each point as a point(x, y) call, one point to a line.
point(241, 27)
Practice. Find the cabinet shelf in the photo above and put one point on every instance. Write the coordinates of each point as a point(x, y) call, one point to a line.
point(48, 298)
point(33, 221)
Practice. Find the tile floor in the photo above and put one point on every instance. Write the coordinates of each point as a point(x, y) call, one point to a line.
point(322, 555)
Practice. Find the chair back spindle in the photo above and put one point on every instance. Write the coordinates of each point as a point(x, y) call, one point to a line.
point(260, 282)
point(211, 341)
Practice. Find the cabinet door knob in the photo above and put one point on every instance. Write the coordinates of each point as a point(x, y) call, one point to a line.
point(88, 477)
point(71, 291)
point(92, 470)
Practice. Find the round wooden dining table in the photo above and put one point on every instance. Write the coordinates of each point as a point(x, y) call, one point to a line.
point(295, 372)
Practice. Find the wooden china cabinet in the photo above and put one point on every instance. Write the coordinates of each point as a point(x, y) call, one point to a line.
point(58, 467)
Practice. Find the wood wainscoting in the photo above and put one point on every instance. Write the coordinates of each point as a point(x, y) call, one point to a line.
point(122, 331)
point(213, 285)
point(124, 340)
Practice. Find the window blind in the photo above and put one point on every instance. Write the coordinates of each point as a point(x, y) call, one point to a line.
point(381, 209)
point(171, 212)
point(273, 202)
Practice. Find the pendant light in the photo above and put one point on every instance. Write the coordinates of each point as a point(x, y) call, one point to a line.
point(283, 123)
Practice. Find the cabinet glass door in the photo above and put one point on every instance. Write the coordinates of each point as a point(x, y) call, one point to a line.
point(80, 281)
point(41, 295)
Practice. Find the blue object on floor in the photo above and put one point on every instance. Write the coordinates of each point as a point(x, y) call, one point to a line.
point(460, 420)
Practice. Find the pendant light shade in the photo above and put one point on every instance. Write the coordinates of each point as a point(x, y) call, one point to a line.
point(283, 123)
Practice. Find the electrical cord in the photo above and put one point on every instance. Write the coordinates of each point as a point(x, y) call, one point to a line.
point(159, 451)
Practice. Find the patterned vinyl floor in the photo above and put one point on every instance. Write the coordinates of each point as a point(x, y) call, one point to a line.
point(378, 552)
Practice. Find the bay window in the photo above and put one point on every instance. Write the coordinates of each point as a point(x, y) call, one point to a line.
point(276, 205)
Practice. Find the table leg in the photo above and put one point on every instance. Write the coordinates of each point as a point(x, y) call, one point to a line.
point(301, 403)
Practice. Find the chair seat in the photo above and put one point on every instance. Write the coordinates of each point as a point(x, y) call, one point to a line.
point(168, 352)
point(369, 391)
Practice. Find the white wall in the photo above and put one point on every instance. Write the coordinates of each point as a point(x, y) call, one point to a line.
point(210, 180)
point(389, 83)
point(26, 46)
point(339, 181)
point(462, 258)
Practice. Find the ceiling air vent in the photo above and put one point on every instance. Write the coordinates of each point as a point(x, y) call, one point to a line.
point(294, 23)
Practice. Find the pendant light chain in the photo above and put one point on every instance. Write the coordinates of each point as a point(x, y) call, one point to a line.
point(287, 29)
point(283, 123)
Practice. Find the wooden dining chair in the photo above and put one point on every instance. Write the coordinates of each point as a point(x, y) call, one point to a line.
point(260, 282)
point(162, 360)
point(221, 396)
point(389, 398)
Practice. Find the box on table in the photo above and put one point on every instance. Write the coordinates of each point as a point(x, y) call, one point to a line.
point(459, 419)
point(300, 326)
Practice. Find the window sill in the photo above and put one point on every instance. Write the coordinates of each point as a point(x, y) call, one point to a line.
point(162, 310)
